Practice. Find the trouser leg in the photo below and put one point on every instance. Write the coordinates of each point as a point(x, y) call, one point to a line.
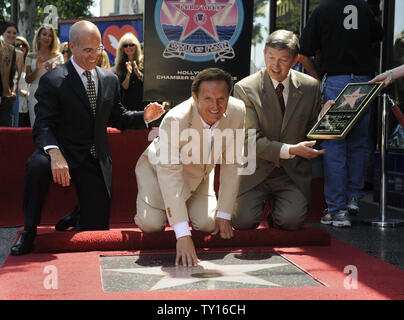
point(94, 199)
point(148, 218)
point(36, 185)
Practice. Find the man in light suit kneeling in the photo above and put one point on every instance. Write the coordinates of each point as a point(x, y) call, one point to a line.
point(175, 175)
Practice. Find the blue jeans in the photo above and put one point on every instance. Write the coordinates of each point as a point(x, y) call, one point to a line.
point(344, 160)
point(15, 111)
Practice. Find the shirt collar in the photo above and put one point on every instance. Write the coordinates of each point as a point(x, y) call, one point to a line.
point(79, 69)
point(284, 82)
point(206, 126)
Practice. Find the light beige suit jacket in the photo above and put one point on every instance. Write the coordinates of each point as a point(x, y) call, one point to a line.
point(263, 113)
point(169, 185)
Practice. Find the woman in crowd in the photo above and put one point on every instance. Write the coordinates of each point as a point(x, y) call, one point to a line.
point(22, 45)
point(129, 67)
point(64, 50)
point(45, 57)
point(103, 61)
point(9, 36)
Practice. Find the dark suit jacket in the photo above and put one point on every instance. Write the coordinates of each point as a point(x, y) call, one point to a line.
point(64, 117)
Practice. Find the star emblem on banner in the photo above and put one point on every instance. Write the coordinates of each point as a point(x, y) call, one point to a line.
point(199, 15)
point(204, 271)
point(350, 99)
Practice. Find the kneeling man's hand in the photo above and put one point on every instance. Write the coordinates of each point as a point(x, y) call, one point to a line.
point(186, 252)
point(59, 167)
point(224, 227)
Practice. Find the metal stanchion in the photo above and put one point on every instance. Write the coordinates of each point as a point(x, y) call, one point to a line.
point(383, 221)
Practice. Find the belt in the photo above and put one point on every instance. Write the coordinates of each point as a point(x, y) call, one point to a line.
point(349, 74)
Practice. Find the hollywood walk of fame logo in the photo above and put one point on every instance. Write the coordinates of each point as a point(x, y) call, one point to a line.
point(131, 273)
point(199, 30)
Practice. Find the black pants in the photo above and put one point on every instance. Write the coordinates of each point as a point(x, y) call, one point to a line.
point(92, 193)
point(23, 119)
point(6, 112)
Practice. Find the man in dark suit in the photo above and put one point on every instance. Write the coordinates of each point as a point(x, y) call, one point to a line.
point(76, 103)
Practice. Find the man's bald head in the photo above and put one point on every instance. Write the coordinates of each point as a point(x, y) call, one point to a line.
point(82, 29)
point(85, 44)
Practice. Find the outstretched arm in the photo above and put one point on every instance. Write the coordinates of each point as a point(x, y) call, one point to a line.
point(389, 76)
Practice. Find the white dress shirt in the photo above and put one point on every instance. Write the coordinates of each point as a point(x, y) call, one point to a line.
point(181, 229)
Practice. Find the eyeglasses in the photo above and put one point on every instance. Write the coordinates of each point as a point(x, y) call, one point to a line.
point(19, 45)
point(91, 50)
point(64, 51)
point(128, 45)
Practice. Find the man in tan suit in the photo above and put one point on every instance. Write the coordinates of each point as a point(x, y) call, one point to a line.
point(281, 105)
point(175, 174)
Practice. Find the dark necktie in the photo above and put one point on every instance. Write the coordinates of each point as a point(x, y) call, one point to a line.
point(91, 93)
point(92, 97)
point(279, 90)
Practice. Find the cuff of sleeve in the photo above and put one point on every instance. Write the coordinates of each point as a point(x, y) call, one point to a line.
point(49, 147)
point(284, 154)
point(146, 123)
point(223, 215)
point(181, 229)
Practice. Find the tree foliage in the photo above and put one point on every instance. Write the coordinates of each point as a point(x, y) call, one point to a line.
point(260, 9)
point(66, 9)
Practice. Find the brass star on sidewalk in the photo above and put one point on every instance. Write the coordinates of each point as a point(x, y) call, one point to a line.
point(205, 271)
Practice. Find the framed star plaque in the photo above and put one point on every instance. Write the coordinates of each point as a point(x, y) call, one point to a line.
point(350, 104)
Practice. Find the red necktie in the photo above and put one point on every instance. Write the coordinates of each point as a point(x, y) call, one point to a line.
point(279, 90)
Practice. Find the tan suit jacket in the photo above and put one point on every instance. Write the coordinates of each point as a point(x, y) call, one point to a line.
point(263, 113)
point(169, 185)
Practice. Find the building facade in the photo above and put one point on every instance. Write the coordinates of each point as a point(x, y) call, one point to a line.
point(121, 7)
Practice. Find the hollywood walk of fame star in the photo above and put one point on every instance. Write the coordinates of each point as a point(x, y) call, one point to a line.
point(199, 15)
point(350, 99)
point(205, 271)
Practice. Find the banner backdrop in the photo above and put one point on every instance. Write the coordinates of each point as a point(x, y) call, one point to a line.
point(183, 37)
point(112, 28)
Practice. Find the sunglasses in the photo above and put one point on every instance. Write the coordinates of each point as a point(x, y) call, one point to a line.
point(19, 45)
point(64, 51)
point(128, 45)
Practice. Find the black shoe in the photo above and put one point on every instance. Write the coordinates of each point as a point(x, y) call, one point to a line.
point(68, 221)
point(25, 244)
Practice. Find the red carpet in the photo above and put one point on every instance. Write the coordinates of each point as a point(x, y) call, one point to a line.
point(131, 238)
point(78, 277)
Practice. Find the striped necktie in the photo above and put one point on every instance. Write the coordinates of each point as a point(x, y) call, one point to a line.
point(92, 97)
